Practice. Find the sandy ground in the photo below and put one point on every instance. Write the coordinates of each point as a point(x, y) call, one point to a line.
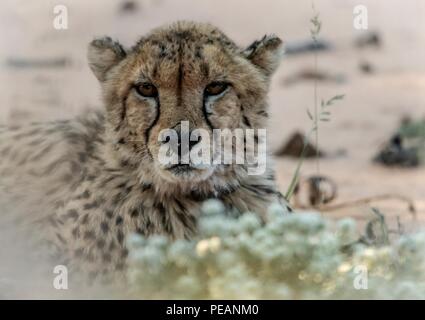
point(372, 108)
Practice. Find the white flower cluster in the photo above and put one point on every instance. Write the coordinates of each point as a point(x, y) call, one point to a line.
point(296, 256)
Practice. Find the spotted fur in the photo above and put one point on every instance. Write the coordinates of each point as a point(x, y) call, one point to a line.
point(83, 185)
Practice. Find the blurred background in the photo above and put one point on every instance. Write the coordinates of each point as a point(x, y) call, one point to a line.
point(381, 71)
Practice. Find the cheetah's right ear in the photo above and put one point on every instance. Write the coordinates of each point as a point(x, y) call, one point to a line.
point(265, 54)
point(103, 54)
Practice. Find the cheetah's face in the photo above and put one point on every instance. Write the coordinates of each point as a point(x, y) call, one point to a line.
point(184, 72)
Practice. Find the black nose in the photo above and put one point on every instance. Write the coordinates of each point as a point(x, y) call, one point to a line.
point(184, 143)
point(194, 142)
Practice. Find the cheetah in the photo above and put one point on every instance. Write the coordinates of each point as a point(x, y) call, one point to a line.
point(83, 185)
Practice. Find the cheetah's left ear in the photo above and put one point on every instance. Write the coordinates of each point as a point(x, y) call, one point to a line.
point(103, 54)
point(265, 53)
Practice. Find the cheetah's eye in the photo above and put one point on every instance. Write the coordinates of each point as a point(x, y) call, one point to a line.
point(215, 88)
point(147, 90)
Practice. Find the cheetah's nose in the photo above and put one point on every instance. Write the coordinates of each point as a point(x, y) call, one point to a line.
point(184, 143)
point(192, 143)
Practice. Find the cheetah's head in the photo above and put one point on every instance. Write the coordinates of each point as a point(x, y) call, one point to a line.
point(183, 72)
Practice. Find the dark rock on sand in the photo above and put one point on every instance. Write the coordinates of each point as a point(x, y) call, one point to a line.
point(395, 154)
point(129, 6)
point(309, 45)
point(313, 75)
point(20, 62)
point(294, 146)
point(369, 39)
point(366, 67)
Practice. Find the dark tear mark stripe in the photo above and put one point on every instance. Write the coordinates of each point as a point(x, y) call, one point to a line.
point(124, 114)
point(205, 113)
point(148, 130)
point(123, 109)
point(246, 121)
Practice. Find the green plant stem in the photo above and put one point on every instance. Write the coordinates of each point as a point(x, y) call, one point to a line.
point(316, 116)
point(296, 176)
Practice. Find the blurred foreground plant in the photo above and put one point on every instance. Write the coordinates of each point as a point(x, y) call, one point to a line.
point(297, 256)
